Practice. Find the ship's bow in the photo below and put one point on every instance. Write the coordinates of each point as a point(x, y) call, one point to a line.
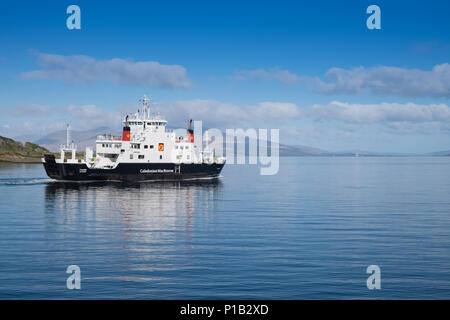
point(51, 167)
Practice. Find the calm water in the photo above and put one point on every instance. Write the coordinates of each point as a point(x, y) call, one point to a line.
point(309, 232)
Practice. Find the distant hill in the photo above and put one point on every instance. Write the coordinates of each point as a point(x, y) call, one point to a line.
point(82, 139)
point(439, 153)
point(298, 150)
point(14, 151)
point(53, 140)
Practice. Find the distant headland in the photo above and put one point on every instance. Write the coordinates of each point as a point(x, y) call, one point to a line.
point(14, 151)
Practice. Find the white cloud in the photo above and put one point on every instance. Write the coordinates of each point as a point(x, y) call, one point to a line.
point(87, 111)
point(84, 69)
point(386, 80)
point(394, 115)
point(89, 116)
point(376, 80)
point(28, 121)
point(283, 76)
point(213, 114)
point(335, 119)
point(217, 114)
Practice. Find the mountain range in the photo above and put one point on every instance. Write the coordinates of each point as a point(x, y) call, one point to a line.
point(82, 139)
point(53, 140)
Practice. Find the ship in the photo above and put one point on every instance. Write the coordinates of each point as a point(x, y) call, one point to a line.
point(147, 150)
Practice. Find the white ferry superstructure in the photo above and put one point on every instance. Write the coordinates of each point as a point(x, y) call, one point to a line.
point(145, 151)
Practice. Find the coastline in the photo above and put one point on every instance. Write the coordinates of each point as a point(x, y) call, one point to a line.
point(29, 160)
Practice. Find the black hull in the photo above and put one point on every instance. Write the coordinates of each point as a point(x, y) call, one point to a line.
point(131, 171)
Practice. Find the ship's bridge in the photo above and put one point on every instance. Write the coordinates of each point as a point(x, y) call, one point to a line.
point(143, 118)
point(108, 137)
point(147, 122)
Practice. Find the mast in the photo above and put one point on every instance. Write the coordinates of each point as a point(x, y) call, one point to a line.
point(207, 140)
point(69, 147)
point(68, 136)
point(146, 104)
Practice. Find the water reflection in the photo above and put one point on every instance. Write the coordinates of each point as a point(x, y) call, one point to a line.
point(152, 207)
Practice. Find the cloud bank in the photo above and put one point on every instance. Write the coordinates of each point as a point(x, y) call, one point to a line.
point(382, 80)
point(386, 80)
point(84, 69)
point(336, 117)
point(394, 115)
point(37, 120)
point(219, 114)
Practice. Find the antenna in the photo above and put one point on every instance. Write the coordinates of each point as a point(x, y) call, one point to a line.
point(68, 135)
point(146, 103)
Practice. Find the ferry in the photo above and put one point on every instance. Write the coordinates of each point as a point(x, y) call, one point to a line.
point(145, 151)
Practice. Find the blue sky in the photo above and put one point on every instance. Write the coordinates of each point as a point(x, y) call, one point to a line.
point(258, 64)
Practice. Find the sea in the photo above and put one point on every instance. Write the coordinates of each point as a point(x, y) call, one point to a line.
point(313, 231)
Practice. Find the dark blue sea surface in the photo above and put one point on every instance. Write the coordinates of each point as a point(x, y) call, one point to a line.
point(308, 232)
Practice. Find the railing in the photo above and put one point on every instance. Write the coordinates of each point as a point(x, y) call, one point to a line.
point(67, 147)
point(108, 137)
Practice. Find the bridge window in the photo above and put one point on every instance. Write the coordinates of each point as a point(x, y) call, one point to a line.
point(141, 156)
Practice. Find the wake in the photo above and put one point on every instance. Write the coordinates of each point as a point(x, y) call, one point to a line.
point(24, 181)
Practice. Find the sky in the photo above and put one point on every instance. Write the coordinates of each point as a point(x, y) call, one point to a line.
point(312, 69)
